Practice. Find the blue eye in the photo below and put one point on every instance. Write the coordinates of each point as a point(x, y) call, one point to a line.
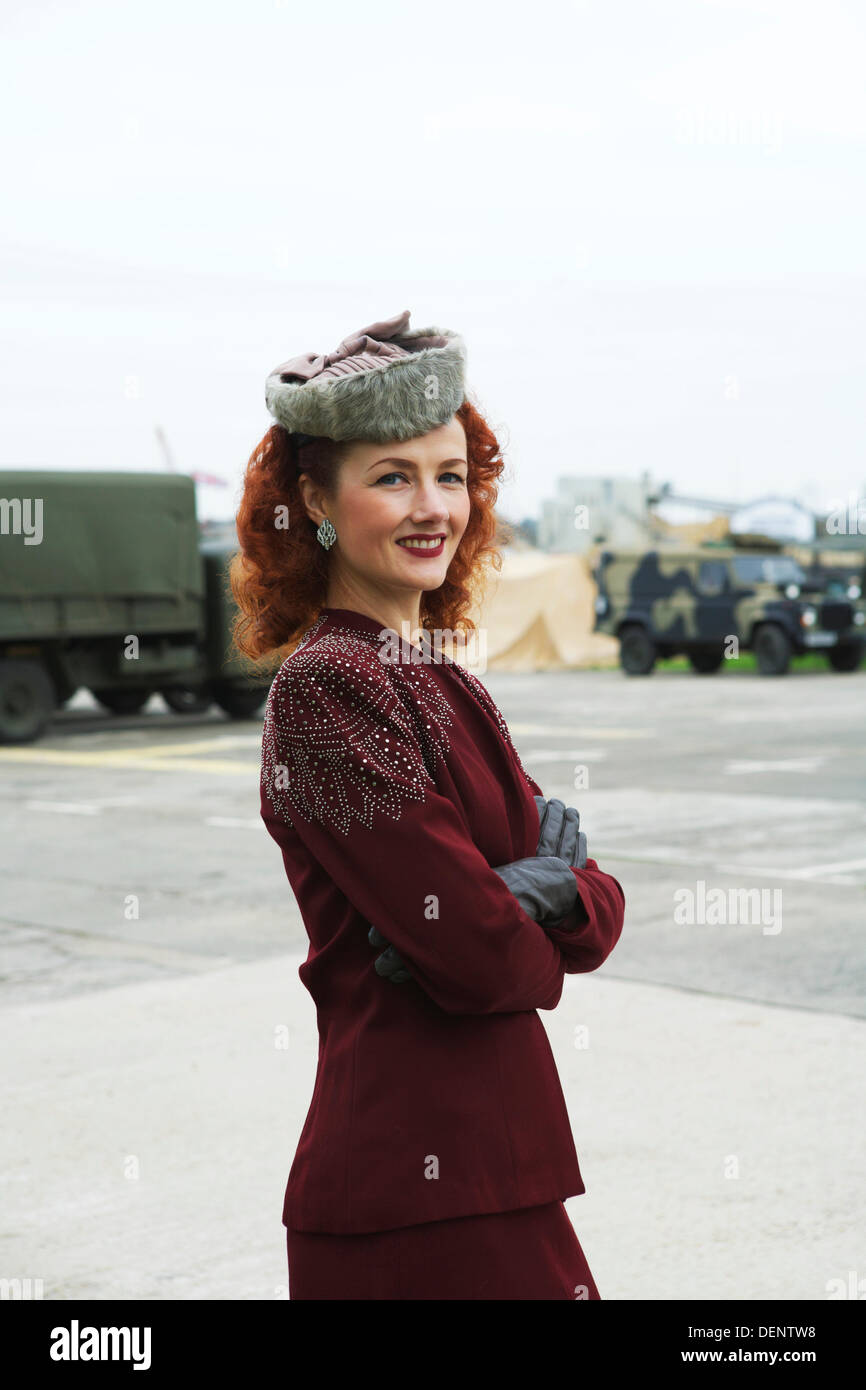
point(385, 476)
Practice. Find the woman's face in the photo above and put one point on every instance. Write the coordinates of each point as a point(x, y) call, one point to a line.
point(389, 493)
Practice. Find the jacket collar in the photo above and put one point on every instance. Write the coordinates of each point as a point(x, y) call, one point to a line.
point(374, 628)
point(359, 622)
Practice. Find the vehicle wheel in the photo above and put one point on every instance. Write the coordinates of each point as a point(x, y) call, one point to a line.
point(637, 651)
point(240, 701)
point(772, 650)
point(706, 662)
point(122, 701)
point(184, 699)
point(27, 700)
point(846, 658)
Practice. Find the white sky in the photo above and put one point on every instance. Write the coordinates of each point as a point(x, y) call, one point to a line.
point(645, 216)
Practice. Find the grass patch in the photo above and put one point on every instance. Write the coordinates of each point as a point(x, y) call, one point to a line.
point(812, 661)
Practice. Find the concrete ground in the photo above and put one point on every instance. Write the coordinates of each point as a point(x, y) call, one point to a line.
point(712, 1068)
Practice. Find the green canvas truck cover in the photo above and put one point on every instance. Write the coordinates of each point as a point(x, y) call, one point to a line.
point(93, 553)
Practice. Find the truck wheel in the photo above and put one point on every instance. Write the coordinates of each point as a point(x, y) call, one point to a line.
point(27, 700)
point(122, 701)
point(637, 651)
point(772, 650)
point(706, 662)
point(846, 658)
point(239, 701)
point(185, 699)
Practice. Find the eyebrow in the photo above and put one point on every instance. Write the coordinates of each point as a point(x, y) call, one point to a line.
point(411, 462)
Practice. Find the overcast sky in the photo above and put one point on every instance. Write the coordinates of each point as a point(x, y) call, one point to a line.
point(645, 216)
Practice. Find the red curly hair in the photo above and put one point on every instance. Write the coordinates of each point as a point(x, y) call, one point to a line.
point(279, 577)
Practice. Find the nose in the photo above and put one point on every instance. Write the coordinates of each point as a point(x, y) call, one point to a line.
point(430, 506)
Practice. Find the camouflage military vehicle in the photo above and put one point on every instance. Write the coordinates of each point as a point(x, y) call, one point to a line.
point(668, 601)
point(106, 583)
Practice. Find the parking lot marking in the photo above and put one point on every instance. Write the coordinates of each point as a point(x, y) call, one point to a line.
point(198, 745)
point(570, 731)
point(739, 765)
point(235, 822)
point(813, 871)
point(557, 731)
point(555, 755)
point(128, 758)
point(675, 857)
point(93, 807)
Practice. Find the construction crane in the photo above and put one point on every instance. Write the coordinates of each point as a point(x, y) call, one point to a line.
point(205, 479)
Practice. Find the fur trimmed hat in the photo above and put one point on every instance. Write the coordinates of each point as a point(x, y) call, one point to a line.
point(385, 382)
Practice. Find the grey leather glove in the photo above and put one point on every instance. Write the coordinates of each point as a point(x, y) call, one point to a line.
point(560, 833)
point(544, 887)
point(390, 964)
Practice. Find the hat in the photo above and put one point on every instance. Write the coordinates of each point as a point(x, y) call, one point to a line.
point(384, 382)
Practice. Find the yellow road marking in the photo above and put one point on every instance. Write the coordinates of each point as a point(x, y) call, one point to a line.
point(128, 759)
point(168, 750)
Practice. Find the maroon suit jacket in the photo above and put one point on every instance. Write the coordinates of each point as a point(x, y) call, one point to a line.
point(392, 787)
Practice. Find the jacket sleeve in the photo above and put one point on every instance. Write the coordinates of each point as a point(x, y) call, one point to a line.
point(589, 933)
point(343, 765)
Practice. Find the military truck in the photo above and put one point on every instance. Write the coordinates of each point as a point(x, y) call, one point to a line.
point(672, 601)
point(106, 583)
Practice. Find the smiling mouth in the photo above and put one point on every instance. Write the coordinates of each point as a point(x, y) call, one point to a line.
point(433, 543)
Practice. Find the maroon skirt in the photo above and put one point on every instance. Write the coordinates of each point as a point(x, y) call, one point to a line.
point(530, 1253)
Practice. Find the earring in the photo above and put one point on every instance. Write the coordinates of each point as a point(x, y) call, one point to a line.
point(326, 535)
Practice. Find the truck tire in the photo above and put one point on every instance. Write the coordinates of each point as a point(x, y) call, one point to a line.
point(239, 701)
point(120, 701)
point(27, 700)
point(706, 661)
point(637, 650)
point(846, 658)
point(185, 699)
point(772, 650)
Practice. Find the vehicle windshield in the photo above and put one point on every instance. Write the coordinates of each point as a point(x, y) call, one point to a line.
point(769, 569)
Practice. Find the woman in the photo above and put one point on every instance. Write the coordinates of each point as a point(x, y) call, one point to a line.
point(443, 897)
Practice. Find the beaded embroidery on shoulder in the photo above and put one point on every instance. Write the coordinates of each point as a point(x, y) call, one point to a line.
point(347, 735)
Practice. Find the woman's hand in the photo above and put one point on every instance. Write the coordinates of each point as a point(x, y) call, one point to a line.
point(559, 832)
point(390, 964)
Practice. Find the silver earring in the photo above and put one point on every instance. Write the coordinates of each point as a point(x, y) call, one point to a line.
point(326, 535)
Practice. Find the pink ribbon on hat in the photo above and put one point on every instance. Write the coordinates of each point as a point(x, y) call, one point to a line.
point(366, 348)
